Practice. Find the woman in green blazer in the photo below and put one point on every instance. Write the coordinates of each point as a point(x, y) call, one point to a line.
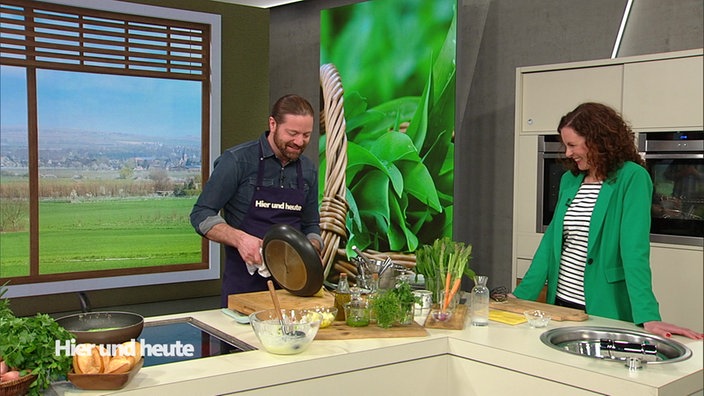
point(607, 273)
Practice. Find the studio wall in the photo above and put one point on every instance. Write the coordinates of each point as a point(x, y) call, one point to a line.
point(268, 53)
point(493, 38)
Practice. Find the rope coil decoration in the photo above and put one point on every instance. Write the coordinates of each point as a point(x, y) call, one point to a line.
point(334, 206)
point(333, 210)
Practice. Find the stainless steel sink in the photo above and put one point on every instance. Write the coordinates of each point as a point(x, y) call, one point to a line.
point(616, 344)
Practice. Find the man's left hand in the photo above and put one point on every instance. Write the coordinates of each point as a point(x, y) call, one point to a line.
point(316, 245)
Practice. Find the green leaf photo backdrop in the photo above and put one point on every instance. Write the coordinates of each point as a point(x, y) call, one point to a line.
point(396, 60)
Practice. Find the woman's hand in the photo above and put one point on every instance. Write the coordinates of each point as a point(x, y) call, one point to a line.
point(667, 330)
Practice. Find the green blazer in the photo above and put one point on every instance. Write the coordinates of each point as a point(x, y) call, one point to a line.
point(617, 277)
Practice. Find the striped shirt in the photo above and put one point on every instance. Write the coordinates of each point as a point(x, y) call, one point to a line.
point(575, 236)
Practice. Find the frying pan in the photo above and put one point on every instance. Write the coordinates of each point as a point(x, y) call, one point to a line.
point(292, 260)
point(109, 327)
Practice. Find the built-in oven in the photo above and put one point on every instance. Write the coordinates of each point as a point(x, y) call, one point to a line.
point(550, 170)
point(675, 161)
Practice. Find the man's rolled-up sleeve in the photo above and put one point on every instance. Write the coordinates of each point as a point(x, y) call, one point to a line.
point(217, 191)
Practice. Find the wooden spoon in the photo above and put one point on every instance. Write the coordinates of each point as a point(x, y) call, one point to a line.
point(275, 299)
point(277, 307)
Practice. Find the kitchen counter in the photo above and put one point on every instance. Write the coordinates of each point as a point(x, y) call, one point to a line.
point(476, 360)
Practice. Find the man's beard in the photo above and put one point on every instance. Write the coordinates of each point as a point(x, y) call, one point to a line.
point(284, 148)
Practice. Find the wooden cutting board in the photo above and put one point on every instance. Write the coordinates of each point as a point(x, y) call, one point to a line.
point(557, 313)
point(247, 303)
point(456, 321)
point(340, 331)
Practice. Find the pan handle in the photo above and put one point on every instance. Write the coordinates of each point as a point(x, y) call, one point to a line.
point(85, 302)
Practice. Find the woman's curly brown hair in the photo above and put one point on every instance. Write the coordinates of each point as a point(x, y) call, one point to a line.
point(610, 140)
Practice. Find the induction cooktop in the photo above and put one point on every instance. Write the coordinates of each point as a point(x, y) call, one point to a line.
point(181, 339)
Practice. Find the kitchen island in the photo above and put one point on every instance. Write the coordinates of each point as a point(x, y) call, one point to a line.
point(497, 359)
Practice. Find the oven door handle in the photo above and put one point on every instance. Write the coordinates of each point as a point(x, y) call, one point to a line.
point(648, 156)
point(543, 156)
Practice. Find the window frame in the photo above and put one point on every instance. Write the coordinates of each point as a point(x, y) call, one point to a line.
point(210, 265)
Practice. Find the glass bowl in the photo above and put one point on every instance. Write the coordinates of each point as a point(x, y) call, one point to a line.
point(537, 318)
point(299, 330)
point(329, 314)
point(441, 316)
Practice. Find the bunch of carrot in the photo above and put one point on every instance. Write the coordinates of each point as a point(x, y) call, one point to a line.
point(447, 259)
point(457, 262)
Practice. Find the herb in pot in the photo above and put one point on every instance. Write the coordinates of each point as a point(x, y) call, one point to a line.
point(395, 305)
point(30, 343)
point(386, 308)
point(407, 300)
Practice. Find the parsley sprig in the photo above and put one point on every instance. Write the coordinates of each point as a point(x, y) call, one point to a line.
point(29, 343)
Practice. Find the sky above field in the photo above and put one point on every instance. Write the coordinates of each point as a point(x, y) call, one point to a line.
point(102, 103)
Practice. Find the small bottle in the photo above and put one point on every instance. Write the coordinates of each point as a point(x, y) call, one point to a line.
point(479, 302)
point(342, 296)
point(374, 284)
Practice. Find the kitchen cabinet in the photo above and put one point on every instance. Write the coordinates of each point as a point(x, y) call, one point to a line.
point(525, 190)
point(677, 284)
point(664, 94)
point(379, 380)
point(493, 380)
point(548, 95)
point(526, 183)
point(439, 375)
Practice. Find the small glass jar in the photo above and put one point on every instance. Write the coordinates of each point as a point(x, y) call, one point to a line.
point(407, 314)
point(357, 313)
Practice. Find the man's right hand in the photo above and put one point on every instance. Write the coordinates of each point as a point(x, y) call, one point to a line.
point(248, 245)
point(250, 248)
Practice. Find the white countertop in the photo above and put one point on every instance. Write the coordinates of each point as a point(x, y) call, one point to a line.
point(516, 348)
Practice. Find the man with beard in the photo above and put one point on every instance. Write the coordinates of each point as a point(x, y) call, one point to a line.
point(258, 184)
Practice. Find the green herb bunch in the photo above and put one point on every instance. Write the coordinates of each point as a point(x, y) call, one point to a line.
point(405, 294)
point(387, 308)
point(29, 344)
point(407, 300)
point(391, 305)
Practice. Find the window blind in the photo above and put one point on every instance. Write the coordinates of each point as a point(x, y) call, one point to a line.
point(53, 36)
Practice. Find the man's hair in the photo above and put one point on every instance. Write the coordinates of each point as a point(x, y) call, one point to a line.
point(291, 104)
